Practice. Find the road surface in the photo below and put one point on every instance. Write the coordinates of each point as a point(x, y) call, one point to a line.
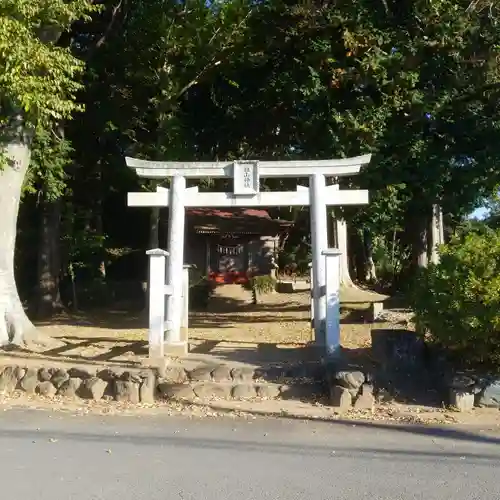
point(56, 456)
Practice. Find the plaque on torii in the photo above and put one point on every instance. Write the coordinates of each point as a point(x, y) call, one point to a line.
point(246, 178)
point(246, 175)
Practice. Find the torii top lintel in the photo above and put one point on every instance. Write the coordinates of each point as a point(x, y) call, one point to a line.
point(287, 168)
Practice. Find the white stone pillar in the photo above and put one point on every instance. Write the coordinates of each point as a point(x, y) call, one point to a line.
point(332, 258)
point(156, 294)
point(319, 240)
point(176, 260)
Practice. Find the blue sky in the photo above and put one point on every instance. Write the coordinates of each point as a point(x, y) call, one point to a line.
point(479, 213)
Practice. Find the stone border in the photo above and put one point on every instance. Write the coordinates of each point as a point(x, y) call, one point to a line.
point(469, 390)
point(351, 389)
point(147, 386)
point(81, 383)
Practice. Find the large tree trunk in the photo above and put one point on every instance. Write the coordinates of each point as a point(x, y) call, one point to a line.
point(49, 260)
point(436, 233)
point(98, 224)
point(370, 270)
point(154, 228)
point(15, 326)
point(357, 253)
point(416, 227)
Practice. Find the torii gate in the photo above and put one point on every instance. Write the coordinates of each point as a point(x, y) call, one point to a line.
point(246, 177)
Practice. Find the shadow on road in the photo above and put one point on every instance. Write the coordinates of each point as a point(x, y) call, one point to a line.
point(253, 446)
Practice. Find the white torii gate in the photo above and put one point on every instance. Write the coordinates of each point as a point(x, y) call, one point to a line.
point(246, 177)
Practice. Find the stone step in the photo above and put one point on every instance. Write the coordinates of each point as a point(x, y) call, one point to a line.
point(180, 373)
point(202, 382)
point(209, 390)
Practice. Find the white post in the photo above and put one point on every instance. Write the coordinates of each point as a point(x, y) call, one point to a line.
point(311, 298)
point(156, 291)
point(319, 240)
point(332, 262)
point(185, 296)
point(176, 259)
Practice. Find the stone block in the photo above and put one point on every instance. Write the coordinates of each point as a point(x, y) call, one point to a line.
point(201, 374)
point(367, 389)
point(70, 387)
point(268, 391)
point(46, 389)
point(175, 391)
point(8, 379)
point(174, 374)
point(490, 396)
point(243, 391)
point(92, 388)
point(109, 375)
point(20, 372)
point(131, 377)
point(147, 390)
point(59, 377)
point(243, 374)
point(126, 391)
point(400, 350)
point(340, 398)
point(29, 382)
point(351, 380)
point(82, 373)
point(44, 374)
point(463, 401)
point(221, 374)
point(210, 390)
point(365, 401)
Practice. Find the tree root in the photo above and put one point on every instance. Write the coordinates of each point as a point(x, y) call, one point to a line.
point(17, 329)
point(34, 340)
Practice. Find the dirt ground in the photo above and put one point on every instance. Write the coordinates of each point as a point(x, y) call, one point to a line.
point(480, 419)
point(232, 328)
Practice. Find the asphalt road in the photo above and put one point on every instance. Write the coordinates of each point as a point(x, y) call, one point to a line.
point(58, 456)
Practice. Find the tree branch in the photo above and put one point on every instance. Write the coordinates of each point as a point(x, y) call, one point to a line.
point(114, 15)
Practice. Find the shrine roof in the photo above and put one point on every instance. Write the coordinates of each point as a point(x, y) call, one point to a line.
point(240, 220)
point(228, 213)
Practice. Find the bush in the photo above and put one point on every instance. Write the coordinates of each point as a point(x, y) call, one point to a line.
point(201, 289)
point(457, 302)
point(260, 285)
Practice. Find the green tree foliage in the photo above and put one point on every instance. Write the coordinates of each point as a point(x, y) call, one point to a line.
point(51, 155)
point(36, 75)
point(413, 82)
point(458, 301)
